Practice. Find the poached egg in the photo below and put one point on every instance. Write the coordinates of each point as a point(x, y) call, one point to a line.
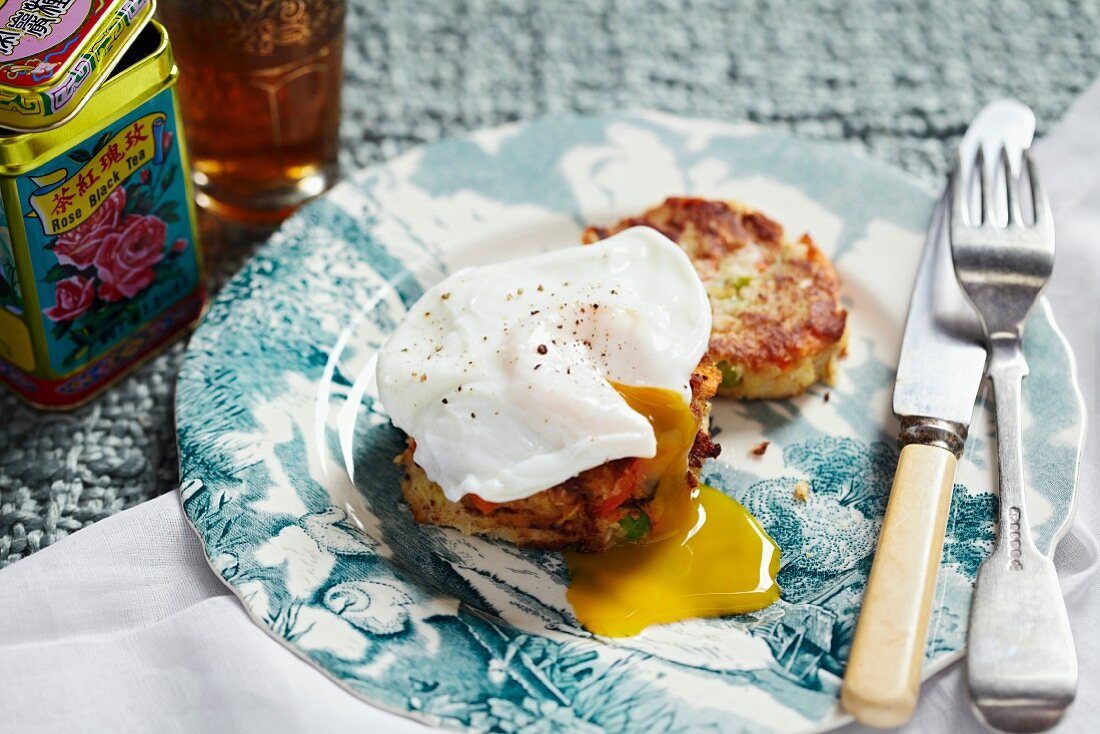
point(504, 373)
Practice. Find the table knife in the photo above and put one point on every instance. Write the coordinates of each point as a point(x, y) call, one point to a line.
point(940, 370)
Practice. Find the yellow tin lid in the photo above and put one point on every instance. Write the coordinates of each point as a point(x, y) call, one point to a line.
point(55, 53)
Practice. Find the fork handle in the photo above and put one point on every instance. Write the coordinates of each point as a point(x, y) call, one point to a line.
point(1021, 666)
point(882, 680)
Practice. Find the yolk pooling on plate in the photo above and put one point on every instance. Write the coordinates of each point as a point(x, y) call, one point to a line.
point(705, 557)
point(722, 562)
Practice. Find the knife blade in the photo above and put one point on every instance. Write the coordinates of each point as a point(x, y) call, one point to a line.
point(940, 370)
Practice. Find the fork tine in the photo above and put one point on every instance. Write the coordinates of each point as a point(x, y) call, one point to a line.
point(1038, 194)
point(1012, 187)
point(959, 194)
point(989, 210)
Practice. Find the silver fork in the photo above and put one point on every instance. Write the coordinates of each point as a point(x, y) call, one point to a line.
point(1021, 664)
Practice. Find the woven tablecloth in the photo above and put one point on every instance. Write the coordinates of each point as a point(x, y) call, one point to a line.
point(897, 77)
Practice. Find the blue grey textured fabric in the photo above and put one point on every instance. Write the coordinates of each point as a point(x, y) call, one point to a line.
point(898, 78)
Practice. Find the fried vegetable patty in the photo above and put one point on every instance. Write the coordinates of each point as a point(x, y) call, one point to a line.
point(778, 326)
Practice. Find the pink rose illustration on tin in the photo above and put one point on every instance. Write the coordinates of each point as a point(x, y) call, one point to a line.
point(125, 258)
point(122, 249)
point(73, 297)
point(77, 247)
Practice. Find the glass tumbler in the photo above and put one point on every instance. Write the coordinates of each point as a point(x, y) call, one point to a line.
point(260, 98)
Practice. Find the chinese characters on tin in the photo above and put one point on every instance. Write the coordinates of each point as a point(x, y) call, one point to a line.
point(33, 18)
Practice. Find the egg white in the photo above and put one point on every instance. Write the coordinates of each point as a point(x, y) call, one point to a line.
point(502, 373)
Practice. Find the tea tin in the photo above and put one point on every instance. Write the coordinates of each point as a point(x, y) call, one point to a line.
point(99, 257)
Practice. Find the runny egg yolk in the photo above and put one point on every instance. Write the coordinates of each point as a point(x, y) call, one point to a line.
point(705, 556)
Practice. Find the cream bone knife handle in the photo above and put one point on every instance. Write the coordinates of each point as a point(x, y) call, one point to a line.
point(882, 680)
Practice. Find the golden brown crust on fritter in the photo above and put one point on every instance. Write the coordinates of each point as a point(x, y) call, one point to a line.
point(582, 512)
point(778, 326)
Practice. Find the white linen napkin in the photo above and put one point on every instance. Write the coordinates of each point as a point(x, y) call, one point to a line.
point(123, 626)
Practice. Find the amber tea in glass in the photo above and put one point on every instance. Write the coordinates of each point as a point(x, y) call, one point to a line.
point(260, 98)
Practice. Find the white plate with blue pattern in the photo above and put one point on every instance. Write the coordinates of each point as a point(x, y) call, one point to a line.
point(287, 472)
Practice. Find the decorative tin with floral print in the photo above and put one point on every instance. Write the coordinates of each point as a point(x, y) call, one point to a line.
point(99, 260)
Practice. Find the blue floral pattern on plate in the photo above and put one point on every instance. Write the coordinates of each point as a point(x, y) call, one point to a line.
point(287, 472)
